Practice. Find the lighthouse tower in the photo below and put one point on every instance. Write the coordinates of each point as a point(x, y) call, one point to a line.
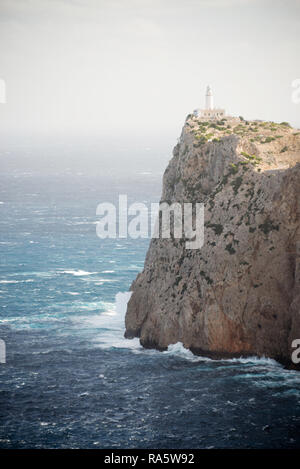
point(209, 99)
point(210, 112)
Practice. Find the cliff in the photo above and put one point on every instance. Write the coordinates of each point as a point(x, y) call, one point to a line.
point(240, 293)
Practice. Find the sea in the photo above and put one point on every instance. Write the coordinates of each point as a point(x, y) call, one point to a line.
point(71, 379)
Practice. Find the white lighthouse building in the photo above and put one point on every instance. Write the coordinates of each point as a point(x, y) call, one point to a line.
point(210, 112)
point(209, 99)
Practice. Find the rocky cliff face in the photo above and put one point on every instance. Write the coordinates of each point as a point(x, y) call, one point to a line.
point(240, 293)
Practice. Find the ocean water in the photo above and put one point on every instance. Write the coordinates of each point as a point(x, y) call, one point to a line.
point(71, 380)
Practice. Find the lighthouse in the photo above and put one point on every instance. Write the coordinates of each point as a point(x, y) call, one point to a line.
point(209, 112)
point(209, 99)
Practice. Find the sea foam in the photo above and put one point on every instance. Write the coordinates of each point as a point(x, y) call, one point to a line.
point(112, 325)
point(78, 273)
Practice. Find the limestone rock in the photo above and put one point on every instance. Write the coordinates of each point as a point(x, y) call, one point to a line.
point(240, 293)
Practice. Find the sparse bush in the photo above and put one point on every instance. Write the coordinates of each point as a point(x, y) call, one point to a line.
point(268, 226)
point(218, 229)
point(234, 168)
point(236, 184)
point(283, 149)
point(230, 249)
point(268, 140)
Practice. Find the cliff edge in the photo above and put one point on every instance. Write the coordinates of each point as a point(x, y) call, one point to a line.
point(239, 294)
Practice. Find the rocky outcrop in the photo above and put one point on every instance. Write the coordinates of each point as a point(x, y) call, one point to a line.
point(240, 293)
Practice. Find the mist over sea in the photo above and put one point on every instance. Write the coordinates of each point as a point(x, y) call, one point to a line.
point(71, 379)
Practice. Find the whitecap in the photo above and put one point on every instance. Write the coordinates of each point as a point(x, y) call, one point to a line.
point(255, 360)
point(179, 350)
point(100, 281)
point(16, 281)
point(77, 273)
point(112, 325)
point(74, 223)
point(9, 281)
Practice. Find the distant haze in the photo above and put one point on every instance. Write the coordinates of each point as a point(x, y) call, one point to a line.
point(122, 68)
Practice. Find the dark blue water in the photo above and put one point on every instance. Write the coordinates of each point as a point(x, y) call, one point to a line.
point(71, 380)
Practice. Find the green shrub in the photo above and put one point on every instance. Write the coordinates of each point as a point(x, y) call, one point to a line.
point(230, 249)
point(218, 229)
point(252, 158)
point(207, 278)
point(283, 149)
point(268, 140)
point(234, 168)
point(268, 226)
point(236, 184)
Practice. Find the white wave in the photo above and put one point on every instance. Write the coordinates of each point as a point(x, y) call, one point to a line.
point(135, 267)
point(122, 299)
point(108, 272)
point(74, 223)
point(77, 273)
point(81, 307)
point(112, 325)
point(179, 350)
point(255, 361)
point(99, 281)
point(16, 281)
point(9, 281)
point(28, 322)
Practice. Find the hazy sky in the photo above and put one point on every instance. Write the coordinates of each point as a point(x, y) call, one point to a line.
point(126, 67)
